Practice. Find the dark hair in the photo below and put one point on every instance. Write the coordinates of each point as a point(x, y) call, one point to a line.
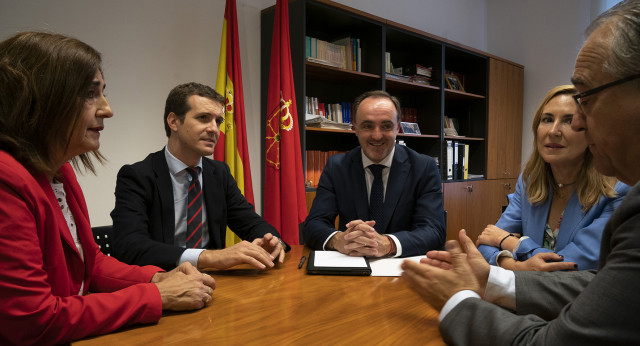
point(374, 94)
point(15, 100)
point(177, 101)
point(624, 20)
point(58, 70)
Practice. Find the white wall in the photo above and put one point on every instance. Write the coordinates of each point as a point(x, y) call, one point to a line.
point(149, 46)
point(544, 36)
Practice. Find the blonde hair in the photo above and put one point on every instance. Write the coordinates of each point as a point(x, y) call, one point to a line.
point(538, 177)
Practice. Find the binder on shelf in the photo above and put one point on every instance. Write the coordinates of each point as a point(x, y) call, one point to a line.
point(456, 162)
point(449, 160)
point(461, 160)
point(466, 161)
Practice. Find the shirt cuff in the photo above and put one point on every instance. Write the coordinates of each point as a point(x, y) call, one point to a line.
point(515, 248)
point(454, 301)
point(398, 245)
point(326, 241)
point(191, 256)
point(501, 288)
point(503, 253)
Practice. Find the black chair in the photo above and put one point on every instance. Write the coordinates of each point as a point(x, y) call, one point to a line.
point(103, 236)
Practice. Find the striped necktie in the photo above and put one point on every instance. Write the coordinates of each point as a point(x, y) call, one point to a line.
point(194, 210)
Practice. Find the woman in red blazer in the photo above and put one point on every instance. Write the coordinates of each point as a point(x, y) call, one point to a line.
point(52, 109)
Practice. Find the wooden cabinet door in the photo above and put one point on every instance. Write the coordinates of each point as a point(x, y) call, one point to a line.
point(473, 205)
point(455, 203)
point(485, 204)
point(504, 128)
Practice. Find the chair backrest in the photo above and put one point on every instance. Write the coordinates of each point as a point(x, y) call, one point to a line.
point(102, 236)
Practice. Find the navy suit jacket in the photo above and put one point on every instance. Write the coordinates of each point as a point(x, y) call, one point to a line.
point(413, 209)
point(144, 216)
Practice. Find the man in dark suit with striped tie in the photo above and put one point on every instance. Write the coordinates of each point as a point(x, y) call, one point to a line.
point(175, 205)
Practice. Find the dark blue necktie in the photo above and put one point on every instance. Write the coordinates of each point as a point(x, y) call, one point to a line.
point(194, 210)
point(376, 198)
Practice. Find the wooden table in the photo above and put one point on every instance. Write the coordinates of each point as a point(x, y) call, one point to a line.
point(287, 307)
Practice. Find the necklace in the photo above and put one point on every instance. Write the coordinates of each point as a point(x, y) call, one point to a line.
point(563, 185)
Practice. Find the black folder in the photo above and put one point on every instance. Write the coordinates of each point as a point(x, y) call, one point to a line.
point(352, 271)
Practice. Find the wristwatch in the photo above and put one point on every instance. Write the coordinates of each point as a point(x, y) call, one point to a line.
point(285, 246)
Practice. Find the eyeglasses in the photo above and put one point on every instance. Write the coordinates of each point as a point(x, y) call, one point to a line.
point(578, 98)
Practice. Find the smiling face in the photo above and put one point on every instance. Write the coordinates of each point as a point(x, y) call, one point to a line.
point(376, 127)
point(197, 134)
point(558, 144)
point(86, 134)
point(610, 118)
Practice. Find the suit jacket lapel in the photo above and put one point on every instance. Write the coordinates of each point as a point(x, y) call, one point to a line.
point(398, 173)
point(65, 234)
point(209, 199)
point(572, 216)
point(165, 191)
point(538, 219)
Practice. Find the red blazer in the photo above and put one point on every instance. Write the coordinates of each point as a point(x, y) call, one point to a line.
point(41, 270)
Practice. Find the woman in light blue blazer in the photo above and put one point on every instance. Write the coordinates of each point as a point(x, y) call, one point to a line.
point(561, 203)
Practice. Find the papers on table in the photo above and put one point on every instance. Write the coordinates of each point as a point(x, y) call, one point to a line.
point(338, 259)
point(379, 266)
point(389, 266)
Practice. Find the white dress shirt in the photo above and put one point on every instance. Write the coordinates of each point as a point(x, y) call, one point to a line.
point(180, 180)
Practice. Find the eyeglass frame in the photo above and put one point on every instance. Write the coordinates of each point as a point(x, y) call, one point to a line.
point(598, 89)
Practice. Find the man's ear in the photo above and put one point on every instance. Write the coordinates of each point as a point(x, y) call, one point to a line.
point(172, 121)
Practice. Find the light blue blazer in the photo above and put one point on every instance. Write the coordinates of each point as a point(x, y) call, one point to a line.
point(580, 232)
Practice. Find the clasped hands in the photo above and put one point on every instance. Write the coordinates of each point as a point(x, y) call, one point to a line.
point(184, 288)
point(360, 239)
point(260, 253)
point(441, 274)
point(542, 261)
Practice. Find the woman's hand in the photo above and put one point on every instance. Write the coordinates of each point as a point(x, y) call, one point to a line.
point(491, 236)
point(543, 262)
point(184, 288)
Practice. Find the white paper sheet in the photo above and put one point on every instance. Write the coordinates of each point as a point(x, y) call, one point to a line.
point(389, 266)
point(337, 259)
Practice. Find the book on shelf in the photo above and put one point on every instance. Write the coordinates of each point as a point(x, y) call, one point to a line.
point(316, 161)
point(313, 120)
point(417, 70)
point(387, 62)
point(449, 160)
point(339, 113)
point(462, 160)
point(398, 77)
point(409, 114)
point(342, 53)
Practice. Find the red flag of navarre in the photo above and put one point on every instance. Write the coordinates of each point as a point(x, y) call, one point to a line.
point(284, 198)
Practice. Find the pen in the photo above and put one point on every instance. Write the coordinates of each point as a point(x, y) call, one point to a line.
point(301, 262)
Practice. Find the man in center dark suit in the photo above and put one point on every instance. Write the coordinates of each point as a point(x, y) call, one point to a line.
point(155, 219)
point(409, 217)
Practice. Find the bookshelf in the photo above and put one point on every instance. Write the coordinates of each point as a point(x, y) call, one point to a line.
point(488, 112)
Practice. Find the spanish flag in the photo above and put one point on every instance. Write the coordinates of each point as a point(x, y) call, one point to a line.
point(232, 144)
point(284, 199)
